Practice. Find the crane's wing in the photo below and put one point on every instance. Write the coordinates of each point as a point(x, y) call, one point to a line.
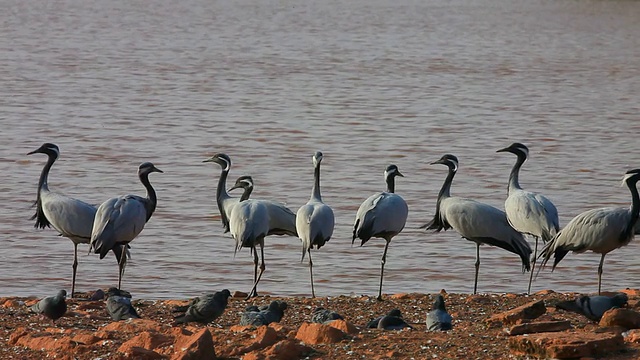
point(72, 218)
point(382, 213)
point(282, 221)
point(314, 223)
point(118, 220)
point(532, 213)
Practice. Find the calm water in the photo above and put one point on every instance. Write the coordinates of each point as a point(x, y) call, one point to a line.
point(116, 83)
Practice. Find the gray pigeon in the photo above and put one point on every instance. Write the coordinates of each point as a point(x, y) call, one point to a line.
point(119, 305)
point(203, 309)
point(321, 315)
point(258, 317)
point(439, 318)
point(373, 324)
point(391, 322)
point(593, 307)
point(52, 307)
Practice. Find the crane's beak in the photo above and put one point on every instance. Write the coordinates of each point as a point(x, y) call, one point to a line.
point(437, 162)
point(155, 169)
point(503, 150)
point(398, 173)
point(234, 187)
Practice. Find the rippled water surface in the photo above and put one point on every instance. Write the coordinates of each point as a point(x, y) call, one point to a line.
point(116, 83)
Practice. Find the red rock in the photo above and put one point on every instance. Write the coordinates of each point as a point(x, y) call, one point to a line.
point(480, 299)
point(286, 350)
point(139, 353)
point(146, 340)
point(538, 327)
point(17, 334)
point(50, 344)
point(626, 318)
point(85, 339)
point(311, 333)
point(633, 336)
point(242, 328)
point(11, 303)
point(239, 294)
point(631, 292)
point(198, 346)
point(545, 292)
point(344, 326)
point(173, 303)
point(400, 296)
point(565, 345)
point(133, 326)
point(530, 310)
point(265, 336)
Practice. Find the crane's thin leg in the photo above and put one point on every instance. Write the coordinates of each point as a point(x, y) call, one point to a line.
point(475, 283)
point(75, 267)
point(383, 261)
point(313, 293)
point(121, 268)
point(533, 265)
point(254, 290)
point(600, 272)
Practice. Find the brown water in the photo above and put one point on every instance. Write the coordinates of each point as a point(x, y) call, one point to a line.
point(116, 83)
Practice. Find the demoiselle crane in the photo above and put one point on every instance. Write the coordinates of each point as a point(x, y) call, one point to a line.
point(72, 218)
point(314, 220)
point(282, 221)
point(382, 215)
point(119, 220)
point(599, 230)
point(475, 221)
point(529, 212)
point(249, 224)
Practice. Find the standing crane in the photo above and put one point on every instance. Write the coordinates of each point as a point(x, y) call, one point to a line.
point(528, 212)
point(475, 221)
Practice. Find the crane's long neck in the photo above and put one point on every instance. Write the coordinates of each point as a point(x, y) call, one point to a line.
point(445, 191)
point(149, 205)
point(635, 203)
point(514, 184)
point(391, 183)
point(222, 195)
point(44, 175)
point(246, 193)
point(315, 192)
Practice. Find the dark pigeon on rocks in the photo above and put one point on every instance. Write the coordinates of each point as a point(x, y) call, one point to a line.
point(203, 309)
point(373, 324)
point(439, 318)
point(259, 316)
point(52, 307)
point(321, 315)
point(119, 305)
point(593, 307)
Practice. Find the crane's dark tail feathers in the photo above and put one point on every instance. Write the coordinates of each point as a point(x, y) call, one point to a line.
point(513, 246)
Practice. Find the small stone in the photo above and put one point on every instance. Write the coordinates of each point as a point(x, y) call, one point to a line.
point(287, 349)
point(85, 339)
point(562, 345)
point(139, 353)
point(545, 292)
point(239, 294)
point(400, 296)
point(632, 336)
point(538, 327)
point(313, 333)
point(527, 311)
point(146, 340)
point(626, 318)
point(198, 346)
point(344, 326)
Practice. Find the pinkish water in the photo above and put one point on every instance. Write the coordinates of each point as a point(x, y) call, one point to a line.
point(116, 83)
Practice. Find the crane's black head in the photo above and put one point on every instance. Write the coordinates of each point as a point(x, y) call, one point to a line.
point(631, 176)
point(317, 158)
point(450, 160)
point(245, 182)
point(516, 148)
point(147, 168)
point(392, 171)
point(47, 148)
point(221, 159)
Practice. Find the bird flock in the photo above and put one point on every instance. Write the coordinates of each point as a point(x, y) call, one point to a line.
point(114, 224)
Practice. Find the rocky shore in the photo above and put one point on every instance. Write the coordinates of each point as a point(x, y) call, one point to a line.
point(488, 326)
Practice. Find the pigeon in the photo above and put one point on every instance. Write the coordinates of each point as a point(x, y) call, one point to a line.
point(203, 309)
point(373, 324)
point(392, 322)
point(119, 305)
point(259, 316)
point(438, 318)
point(52, 307)
point(593, 307)
point(323, 316)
